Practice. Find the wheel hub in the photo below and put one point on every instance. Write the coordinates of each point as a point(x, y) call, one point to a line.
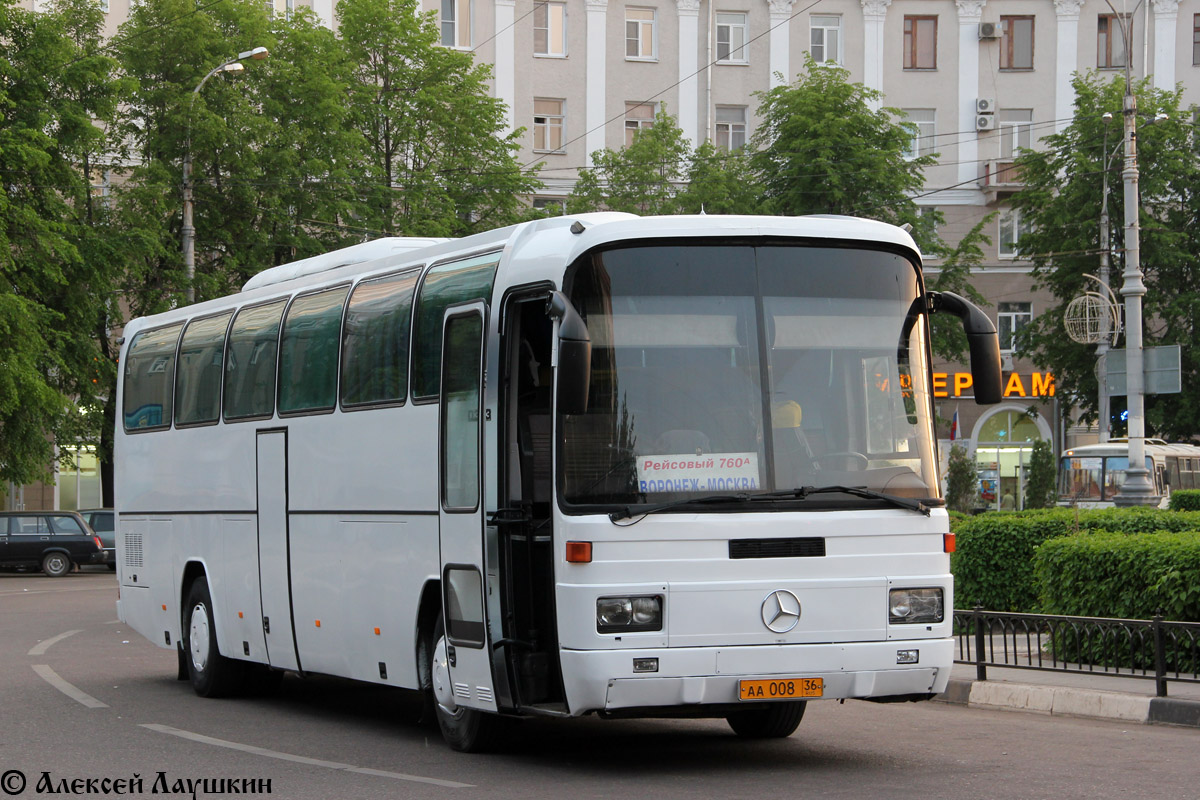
point(198, 637)
point(443, 689)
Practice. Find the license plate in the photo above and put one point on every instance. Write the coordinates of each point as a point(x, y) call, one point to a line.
point(781, 688)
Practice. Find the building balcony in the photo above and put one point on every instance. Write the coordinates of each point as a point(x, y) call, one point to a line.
point(1002, 176)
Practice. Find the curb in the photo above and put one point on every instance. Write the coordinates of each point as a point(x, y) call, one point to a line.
point(1072, 702)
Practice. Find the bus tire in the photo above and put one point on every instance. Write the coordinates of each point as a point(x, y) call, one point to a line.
point(467, 730)
point(777, 721)
point(56, 564)
point(212, 674)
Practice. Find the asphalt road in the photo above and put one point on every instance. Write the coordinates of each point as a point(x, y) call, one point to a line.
point(83, 697)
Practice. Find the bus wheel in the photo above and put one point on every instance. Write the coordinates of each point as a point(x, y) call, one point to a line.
point(56, 564)
point(467, 730)
point(212, 674)
point(777, 721)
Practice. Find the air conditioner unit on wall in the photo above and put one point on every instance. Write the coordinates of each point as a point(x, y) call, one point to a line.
point(985, 122)
point(985, 105)
point(989, 30)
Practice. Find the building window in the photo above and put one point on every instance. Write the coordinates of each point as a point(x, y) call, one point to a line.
point(456, 23)
point(1015, 126)
point(922, 141)
point(920, 42)
point(731, 38)
point(1110, 42)
point(1011, 318)
point(1013, 226)
point(550, 29)
point(101, 186)
point(104, 8)
point(731, 127)
point(549, 121)
point(639, 34)
point(825, 35)
point(638, 116)
point(1016, 43)
point(1195, 40)
point(553, 206)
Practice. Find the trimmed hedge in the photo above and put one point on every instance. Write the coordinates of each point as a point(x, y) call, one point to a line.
point(1128, 576)
point(993, 565)
point(1185, 500)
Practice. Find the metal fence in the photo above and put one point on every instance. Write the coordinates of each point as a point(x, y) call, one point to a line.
point(1153, 649)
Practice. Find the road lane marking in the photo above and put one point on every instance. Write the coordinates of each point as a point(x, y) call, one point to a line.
point(312, 762)
point(51, 677)
point(41, 647)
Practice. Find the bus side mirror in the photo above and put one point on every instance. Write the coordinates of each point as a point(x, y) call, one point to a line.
point(574, 355)
point(984, 344)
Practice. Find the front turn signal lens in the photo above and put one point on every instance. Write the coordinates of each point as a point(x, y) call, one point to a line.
point(579, 552)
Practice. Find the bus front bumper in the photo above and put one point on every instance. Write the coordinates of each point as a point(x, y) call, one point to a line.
point(606, 680)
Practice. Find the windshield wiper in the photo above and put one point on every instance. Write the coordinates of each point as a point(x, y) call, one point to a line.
point(800, 493)
point(858, 491)
point(713, 499)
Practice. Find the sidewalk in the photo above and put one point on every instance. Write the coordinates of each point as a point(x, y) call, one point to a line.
point(1075, 694)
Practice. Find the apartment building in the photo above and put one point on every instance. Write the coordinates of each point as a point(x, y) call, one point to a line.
point(979, 78)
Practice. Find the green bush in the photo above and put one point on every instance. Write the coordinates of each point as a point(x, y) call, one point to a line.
point(1185, 500)
point(993, 565)
point(1127, 576)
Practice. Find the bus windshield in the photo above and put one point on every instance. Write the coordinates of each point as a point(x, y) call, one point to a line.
point(749, 369)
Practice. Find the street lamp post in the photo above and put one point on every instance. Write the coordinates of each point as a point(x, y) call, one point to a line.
point(1138, 489)
point(1105, 250)
point(189, 229)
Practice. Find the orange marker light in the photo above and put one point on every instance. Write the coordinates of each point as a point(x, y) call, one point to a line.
point(948, 542)
point(377, 631)
point(579, 552)
point(164, 606)
point(318, 623)
point(240, 616)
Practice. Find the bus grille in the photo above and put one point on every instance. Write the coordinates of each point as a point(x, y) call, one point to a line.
point(133, 549)
point(808, 547)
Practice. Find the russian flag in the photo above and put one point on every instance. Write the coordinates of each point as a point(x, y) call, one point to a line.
point(954, 426)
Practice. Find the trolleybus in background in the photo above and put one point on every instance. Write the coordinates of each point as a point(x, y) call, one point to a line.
point(1092, 475)
point(675, 466)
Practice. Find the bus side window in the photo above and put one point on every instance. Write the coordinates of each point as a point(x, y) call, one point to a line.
point(198, 386)
point(308, 352)
point(150, 379)
point(375, 341)
point(250, 362)
point(444, 285)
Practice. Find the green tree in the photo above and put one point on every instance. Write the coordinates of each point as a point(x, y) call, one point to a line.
point(1041, 488)
point(1061, 205)
point(53, 290)
point(720, 182)
point(948, 339)
point(643, 178)
point(822, 148)
point(962, 480)
point(438, 162)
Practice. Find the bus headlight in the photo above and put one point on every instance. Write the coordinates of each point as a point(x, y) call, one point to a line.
point(629, 614)
point(915, 606)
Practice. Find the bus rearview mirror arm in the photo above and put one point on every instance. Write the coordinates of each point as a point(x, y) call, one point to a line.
point(982, 339)
point(574, 355)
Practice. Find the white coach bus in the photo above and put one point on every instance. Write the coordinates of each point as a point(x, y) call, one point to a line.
point(675, 466)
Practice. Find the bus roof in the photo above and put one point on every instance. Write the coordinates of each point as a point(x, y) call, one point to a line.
point(534, 249)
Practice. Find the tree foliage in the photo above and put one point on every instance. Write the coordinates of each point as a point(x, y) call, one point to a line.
point(643, 178)
point(962, 480)
point(823, 148)
point(1041, 489)
point(54, 296)
point(1062, 203)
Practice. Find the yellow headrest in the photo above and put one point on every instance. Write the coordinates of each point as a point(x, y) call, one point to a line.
point(786, 414)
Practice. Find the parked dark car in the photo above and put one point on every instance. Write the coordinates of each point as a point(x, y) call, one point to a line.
point(103, 522)
point(54, 541)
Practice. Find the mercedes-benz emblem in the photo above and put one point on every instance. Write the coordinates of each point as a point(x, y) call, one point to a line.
point(781, 611)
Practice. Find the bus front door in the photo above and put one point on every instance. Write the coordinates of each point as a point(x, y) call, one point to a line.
point(461, 513)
